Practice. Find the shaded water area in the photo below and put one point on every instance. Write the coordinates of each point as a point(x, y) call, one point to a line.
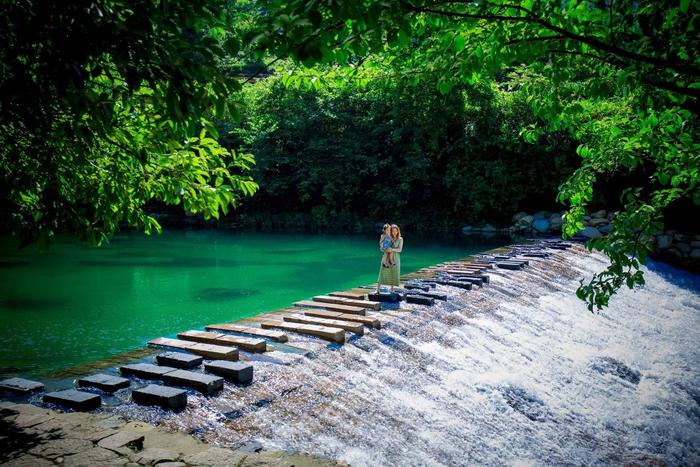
point(518, 372)
point(75, 304)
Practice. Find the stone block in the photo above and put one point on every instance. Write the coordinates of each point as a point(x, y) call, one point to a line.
point(145, 370)
point(107, 383)
point(236, 372)
point(20, 385)
point(181, 360)
point(74, 399)
point(164, 396)
point(204, 383)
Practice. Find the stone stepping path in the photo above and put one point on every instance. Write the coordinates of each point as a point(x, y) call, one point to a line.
point(245, 343)
point(163, 396)
point(420, 300)
point(231, 327)
point(205, 350)
point(356, 328)
point(369, 321)
point(348, 301)
point(235, 372)
point(73, 399)
point(355, 310)
point(145, 370)
point(324, 332)
point(103, 382)
point(20, 385)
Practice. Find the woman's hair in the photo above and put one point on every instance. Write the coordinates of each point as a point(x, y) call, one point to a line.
point(385, 227)
point(398, 231)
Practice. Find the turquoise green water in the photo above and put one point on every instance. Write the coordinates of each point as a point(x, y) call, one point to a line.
point(75, 304)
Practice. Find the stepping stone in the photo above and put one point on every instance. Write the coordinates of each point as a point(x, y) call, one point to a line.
point(206, 350)
point(217, 338)
point(419, 300)
point(164, 396)
point(20, 385)
point(230, 327)
point(203, 383)
point(327, 333)
point(348, 301)
point(145, 370)
point(356, 328)
point(74, 399)
point(107, 383)
point(385, 297)
point(424, 288)
point(436, 296)
point(461, 285)
point(472, 280)
point(510, 266)
point(236, 372)
point(368, 321)
point(353, 295)
point(355, 310)
point(181, 360)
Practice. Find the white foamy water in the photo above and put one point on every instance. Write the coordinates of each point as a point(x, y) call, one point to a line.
point(516, 373)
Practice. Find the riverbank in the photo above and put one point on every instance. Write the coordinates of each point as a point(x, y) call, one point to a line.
point(37, 437)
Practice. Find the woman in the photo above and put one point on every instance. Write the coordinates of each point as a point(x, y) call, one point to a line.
point(390, 275)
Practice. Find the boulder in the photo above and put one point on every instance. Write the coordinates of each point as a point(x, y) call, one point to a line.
point(664, 241)
point(542, 215)
point(526, 221)
point(589, 232)
point(596, 221)
point(469, 229)
point(605, 229)
point(541, 225)
point(682, 247)
point(518, 215)
point(695, 253)
point(556, 217)
point(602, 214)
point(488, 228)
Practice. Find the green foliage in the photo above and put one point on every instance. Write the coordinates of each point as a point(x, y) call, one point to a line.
point(350, 154)
point(106, 106)
point(622, 76)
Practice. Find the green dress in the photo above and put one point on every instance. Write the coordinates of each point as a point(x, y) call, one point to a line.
point(390, 275)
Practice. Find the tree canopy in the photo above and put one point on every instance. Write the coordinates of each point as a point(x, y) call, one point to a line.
point(108, 106)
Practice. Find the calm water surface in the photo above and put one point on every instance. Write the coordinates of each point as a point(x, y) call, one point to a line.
point(76, 304)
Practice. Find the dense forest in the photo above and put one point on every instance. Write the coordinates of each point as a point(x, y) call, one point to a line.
point(345, 157)
point(303, 113)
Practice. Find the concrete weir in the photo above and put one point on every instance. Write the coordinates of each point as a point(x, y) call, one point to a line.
point(324, 332)
point(163, 396)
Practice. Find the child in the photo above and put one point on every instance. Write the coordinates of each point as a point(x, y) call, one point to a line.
point(385, 241)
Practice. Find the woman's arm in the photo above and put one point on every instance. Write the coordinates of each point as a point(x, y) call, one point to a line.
point(398, 248)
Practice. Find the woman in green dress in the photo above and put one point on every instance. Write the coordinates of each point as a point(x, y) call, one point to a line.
point(390, 275)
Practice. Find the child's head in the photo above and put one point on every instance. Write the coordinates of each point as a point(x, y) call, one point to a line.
point(386, 229)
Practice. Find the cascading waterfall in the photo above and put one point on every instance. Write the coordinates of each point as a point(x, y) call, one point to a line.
point(518, 372)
